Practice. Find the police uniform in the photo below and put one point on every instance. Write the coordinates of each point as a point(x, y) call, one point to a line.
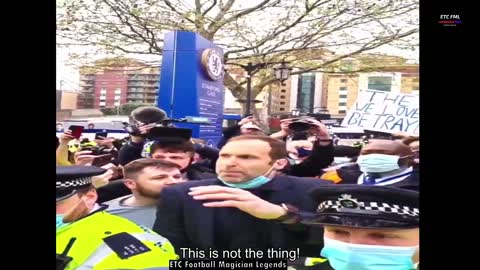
point(360, 206)
point(100, 240)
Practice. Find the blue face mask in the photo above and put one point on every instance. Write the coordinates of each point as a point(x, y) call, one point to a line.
point(60, 223)
point(60, 217)
point(346, 256)
point(378, 163)
point(253, 183)
point(302, 152)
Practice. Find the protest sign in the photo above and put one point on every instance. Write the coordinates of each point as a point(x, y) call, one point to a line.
point(385, 111)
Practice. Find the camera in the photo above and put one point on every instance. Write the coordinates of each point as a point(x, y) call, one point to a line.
point(146, 115)
point(300, 125)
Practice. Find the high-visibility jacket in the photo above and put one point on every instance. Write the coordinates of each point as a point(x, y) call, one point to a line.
point(91, 249)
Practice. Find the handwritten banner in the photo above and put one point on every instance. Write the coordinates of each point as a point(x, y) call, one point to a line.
point(385, 111)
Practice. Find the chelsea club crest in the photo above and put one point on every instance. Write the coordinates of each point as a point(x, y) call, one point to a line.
point(212, 63)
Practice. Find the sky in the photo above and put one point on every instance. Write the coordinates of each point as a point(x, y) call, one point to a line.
point(67, 76)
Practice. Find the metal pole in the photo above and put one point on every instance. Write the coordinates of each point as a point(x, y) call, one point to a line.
point(249, 88)
point(269, 108)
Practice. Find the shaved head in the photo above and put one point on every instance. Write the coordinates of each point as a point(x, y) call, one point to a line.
point(387, 147)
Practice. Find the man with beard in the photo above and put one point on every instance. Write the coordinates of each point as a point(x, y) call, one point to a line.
point(89, 238)
point(145, 178)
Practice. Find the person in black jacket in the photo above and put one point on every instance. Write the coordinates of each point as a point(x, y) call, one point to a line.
point(320, 156)
point(180, 152)
point(381, 163)
point(188, 221)
point(364, 227)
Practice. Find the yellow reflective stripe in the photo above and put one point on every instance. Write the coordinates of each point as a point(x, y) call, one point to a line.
point(97, 256)
point(312, 261)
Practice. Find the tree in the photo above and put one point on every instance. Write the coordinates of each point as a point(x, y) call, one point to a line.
point(109, 111)
point(312, 35)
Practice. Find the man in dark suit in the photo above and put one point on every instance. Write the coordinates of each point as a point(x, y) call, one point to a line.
point(247, 164)
point(381, 163)
point(366, 227)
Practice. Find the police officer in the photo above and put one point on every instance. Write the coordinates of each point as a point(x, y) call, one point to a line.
point(89, 238)
point(365, 227)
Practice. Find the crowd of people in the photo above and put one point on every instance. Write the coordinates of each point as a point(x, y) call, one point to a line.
point(138, 202)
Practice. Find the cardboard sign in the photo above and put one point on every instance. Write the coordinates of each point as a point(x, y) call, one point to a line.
point(386, 112)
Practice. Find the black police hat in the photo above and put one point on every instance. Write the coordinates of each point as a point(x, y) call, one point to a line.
point(364, 206)
point(72, 178)
point(169, 134)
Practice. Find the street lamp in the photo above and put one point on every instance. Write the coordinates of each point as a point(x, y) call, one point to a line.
point(295, 112)
point(320, 110)
point(281, 73)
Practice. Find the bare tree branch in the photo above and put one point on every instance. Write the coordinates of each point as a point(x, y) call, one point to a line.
point(336, 59)
point(169, 4)
point(209, 8)
point(302, 32)
point(213, 27)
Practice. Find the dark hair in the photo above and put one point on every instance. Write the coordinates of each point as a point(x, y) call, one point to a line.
point(173, 147)
point(132, 169)
point(278, 151)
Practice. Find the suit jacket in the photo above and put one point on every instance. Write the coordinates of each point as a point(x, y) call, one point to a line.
point(188, 224)
point(198, 171)
point(350, 175)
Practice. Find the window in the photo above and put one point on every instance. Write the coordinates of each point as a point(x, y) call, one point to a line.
point(117, 97)
point(380, 83)
point(282, 109)
point(103, 91)
point(102, 103)
point(118, 91)
point(283, 91)
point(342, 96)
point(117, 104)
point(342, 112)
point(282, 96)
point(306, 92)
point(343, 80)
point(342, 104)
point(343, 88)
point(102, 97)
point(282, 103)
